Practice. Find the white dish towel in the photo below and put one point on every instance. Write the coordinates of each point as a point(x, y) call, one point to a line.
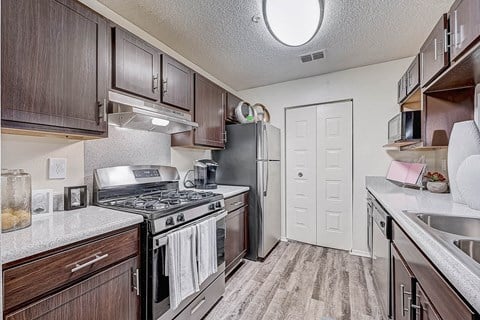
point(182, 265)
point(207, 248)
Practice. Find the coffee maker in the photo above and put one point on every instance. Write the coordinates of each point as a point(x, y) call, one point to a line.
point(205, 172)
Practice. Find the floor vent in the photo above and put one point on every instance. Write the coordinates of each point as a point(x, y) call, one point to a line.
point(313, 56)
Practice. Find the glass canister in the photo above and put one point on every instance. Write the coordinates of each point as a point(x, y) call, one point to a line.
point(16, 200)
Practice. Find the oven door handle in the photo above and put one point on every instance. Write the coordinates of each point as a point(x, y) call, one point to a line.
point(222, 215)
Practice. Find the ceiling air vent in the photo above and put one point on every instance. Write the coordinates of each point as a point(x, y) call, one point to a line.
point(313, 56)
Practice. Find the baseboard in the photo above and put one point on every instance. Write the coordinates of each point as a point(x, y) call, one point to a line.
point(283, 239)
point(360, 253)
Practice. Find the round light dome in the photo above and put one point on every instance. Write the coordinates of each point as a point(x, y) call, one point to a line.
point(293, 22)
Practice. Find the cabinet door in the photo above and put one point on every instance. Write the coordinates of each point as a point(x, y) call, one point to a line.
point(136, 65)
point(434, 52)
point(107, 295)
point(209, 113)
point(54, 66)
point(423, 307)
point(177, 84)
point(401, 89)
point(235, 240)
point(464, 25)
point(232, 103)
point(402, 285)
point(413, 76)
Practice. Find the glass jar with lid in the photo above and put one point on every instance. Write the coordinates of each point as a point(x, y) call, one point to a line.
point(16, 199)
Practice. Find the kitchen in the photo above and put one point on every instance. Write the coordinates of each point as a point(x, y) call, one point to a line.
point(189, 160)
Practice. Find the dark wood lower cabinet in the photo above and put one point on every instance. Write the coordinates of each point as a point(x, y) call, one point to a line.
point(236, 233)
point(107, 295)
point(423, 308)
point(402, 287)
point(434, 297)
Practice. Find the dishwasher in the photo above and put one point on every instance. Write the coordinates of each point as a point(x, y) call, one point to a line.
point(381, 269)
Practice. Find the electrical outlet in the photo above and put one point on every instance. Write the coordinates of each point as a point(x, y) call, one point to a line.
point(444, 165)
point(57, 168)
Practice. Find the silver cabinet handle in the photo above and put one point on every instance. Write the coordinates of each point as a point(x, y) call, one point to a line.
point(136, 281)
point(97, 258)
point(445, 40)
point(155, 82)
point(165, 86)
point(402, 300)
point(455, 35)
point(435, 49)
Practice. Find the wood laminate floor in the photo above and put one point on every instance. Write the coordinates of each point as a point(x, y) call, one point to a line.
point(300, 281)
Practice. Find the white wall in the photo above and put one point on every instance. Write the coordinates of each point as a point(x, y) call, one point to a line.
point(373, 90)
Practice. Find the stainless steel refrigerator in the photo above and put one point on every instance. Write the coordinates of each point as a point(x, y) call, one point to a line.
point(252, 158)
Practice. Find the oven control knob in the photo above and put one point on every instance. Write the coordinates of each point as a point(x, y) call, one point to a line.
point(218, 204)
point(180, 218)
point(169, 222)
point(211, 206)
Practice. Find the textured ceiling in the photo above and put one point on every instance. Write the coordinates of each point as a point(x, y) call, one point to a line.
point(220, 37)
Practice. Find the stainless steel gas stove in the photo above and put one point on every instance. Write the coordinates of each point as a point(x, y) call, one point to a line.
point(153, 192)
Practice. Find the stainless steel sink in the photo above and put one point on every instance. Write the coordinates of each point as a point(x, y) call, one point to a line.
point(462, 226)
point(459, 235)
point(470, 247)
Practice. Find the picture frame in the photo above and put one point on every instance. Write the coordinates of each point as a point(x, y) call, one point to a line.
point(42, 201)
point(75, 197)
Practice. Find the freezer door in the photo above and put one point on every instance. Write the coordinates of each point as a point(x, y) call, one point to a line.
point(268, 142)
point(269, 214)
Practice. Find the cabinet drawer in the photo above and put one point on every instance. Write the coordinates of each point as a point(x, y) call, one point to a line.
point(446, 301)
point(235, 202)
point(31, 280)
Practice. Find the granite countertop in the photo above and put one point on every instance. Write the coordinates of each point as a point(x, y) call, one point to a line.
point(227, 191)
point(50, 231)
point(396, 199)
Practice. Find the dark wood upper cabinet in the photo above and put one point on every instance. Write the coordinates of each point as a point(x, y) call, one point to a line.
point(402, 287)
point(54, 67)
point(209, 113)
point(177, 84)
point(413, 76)
point(464, 26)
point(107, 295)
point(232, 103)
point(402, 89)
point(434, 52)
point(136, 65)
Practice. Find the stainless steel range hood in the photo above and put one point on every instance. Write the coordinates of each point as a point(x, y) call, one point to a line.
point(128, 112)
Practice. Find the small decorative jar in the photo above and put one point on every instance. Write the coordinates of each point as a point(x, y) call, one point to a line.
point(437, 186)
point(16, 200)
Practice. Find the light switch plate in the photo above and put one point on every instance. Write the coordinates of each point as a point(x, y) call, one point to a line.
point(57, 168)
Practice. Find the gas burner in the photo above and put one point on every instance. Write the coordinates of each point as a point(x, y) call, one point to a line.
point(162, 200)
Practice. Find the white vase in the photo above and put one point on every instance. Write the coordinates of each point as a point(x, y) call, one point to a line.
point(468, 181)
point(464, 142)
point(437, 186)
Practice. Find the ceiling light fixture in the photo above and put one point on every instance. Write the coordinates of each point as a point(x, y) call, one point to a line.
point(293, 22)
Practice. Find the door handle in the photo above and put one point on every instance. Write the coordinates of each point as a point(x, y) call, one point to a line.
point(165, 86)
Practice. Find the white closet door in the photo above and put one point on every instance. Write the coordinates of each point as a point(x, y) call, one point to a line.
point(301, 209)
point(334, 175)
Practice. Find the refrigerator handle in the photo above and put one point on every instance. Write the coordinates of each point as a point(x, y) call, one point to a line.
point(265, 191)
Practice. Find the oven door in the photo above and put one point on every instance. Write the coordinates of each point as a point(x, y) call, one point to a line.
point(159, 282)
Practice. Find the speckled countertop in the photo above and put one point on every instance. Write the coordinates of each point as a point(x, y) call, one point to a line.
point(227, 191)
point(396, 199)
point(50, 231)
